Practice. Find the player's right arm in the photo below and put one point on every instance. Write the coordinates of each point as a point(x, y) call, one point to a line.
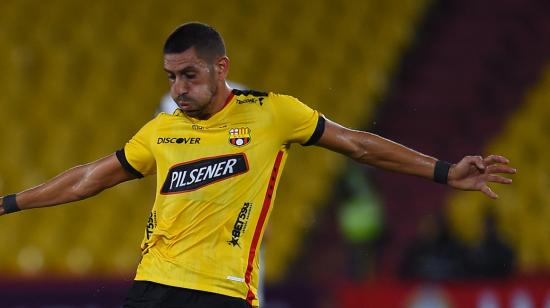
point(75, 184)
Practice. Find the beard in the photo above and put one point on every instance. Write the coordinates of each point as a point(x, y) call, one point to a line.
point(199, 108)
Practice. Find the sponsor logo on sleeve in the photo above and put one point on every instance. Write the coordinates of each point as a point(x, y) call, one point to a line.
point(193, 175)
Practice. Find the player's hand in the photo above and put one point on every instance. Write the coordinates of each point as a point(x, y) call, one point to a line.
point(475, 172)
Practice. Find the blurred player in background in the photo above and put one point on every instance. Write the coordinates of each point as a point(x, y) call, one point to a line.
point(218, 159)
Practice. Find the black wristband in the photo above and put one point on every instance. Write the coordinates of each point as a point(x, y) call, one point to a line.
point(441, 171)
point(10, 204)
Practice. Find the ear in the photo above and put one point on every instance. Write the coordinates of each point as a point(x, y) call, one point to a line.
point(222, 67)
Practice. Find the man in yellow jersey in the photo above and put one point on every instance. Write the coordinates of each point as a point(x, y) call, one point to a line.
point(218, 160)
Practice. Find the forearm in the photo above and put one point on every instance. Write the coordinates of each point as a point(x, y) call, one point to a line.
point(71, 185)
point(74, 184)
point(376, 151)
point(386, 154)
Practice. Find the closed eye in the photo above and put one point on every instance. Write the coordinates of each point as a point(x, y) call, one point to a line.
point(190, 75)
point(171, 77)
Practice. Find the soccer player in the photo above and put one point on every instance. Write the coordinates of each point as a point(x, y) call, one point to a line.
point(218, 160)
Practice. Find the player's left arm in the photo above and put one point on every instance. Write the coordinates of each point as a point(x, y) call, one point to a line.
point(470, 173)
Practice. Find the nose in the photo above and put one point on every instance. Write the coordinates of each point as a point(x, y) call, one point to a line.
point(180, 87)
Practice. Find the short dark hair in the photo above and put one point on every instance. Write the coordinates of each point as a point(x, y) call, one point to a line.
point(207, 41)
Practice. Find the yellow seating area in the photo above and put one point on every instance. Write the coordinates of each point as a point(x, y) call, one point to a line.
point(523, 210)
point(80, 78)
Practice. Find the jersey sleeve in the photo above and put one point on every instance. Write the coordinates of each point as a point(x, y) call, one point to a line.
point(136, 156)
point(298, 122)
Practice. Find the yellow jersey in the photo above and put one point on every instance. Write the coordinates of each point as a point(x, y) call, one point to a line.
point(216, 182)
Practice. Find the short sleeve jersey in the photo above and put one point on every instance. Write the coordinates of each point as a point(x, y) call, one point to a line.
point(216, 182)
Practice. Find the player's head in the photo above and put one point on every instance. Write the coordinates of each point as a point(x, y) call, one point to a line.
point(206, 41)
point(195, 60)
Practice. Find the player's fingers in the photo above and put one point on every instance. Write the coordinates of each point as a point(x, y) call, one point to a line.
point(495, 159)
point(501, 169)
point(476, 161)
point(488, 192)
point(499, 179)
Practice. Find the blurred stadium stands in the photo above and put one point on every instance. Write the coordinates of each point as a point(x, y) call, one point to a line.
point(79, 81)
point(523, 211)
point(471, 69)
point(79, 78)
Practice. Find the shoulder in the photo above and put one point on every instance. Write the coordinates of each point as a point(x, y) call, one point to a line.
point(162, 117)
point(159, 119)
point(255, 93)
point(261, 97)
point(283, 98)
point(248, 97)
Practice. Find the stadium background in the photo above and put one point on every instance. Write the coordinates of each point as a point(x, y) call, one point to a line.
point(446, 77)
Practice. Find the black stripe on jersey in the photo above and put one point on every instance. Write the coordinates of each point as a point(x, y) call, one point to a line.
point(249, 92)
point(121, 156)
point(319, 130)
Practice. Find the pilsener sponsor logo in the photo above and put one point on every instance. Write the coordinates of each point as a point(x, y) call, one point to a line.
point(196, 174)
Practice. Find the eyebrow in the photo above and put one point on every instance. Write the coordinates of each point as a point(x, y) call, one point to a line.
point(183, 70)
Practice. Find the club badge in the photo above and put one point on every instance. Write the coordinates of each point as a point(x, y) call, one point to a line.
point(239, 136)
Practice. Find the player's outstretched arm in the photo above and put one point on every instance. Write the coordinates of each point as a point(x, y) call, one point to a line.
point(75, 184)
point(471, 173)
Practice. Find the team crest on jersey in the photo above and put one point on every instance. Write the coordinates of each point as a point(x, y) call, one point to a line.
point(239, 136)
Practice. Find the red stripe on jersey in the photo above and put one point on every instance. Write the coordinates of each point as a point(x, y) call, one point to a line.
point(263, 215)
point(228, 99)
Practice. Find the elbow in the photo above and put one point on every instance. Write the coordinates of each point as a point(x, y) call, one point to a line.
point(360, 154)
point(86, 189)
point(85, 186)
point(78, 193)
point(81, 191)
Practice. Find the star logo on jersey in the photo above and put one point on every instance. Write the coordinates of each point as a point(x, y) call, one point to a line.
point(240, 224)
point(239, 136)
point(234, 242)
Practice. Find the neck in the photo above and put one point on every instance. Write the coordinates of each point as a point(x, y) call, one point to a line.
point(219, 101)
